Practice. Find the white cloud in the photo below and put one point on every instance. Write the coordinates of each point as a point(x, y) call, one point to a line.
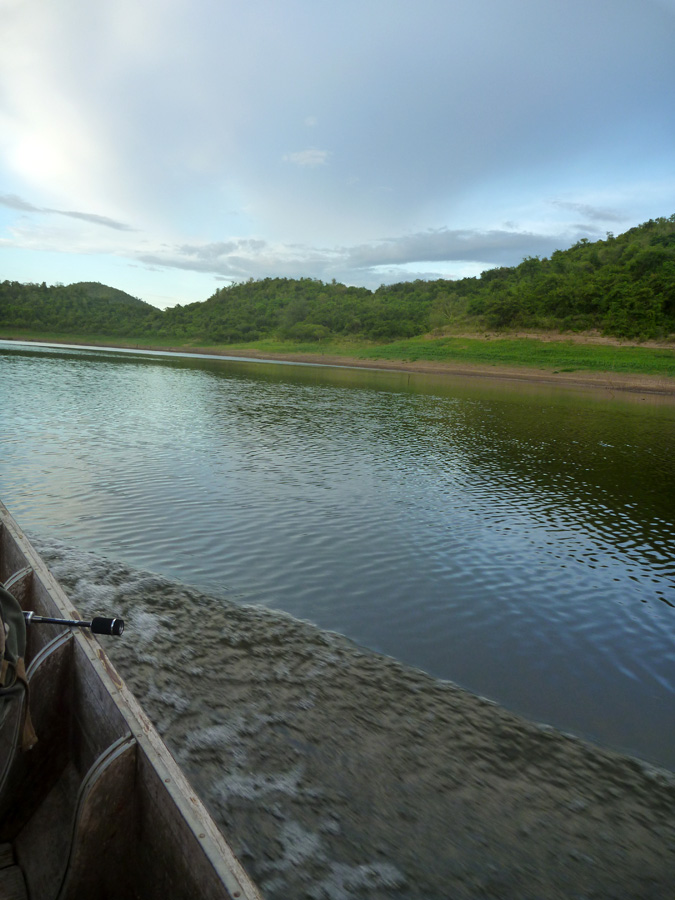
point(597, 214)
point(11, 201)
point(311, 157)
point(459, 245)
point(455, 253)
point(177, 116)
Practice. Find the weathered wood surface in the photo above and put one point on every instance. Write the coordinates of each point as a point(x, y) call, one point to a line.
point(104, 809)
point(105, 828)
point(43, 845)
point(6, 856)
point(12, 885)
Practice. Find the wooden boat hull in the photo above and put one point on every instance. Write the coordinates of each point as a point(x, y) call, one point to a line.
point(98, 808)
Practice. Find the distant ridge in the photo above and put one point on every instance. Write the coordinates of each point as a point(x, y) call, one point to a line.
point(97, 291)
point(622, 286)
point(84, 308)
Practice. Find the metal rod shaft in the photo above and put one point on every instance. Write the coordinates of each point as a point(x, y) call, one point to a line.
point(32, 619)
point(98, 625)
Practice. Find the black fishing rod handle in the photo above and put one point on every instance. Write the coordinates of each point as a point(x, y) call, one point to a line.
point(101, 625)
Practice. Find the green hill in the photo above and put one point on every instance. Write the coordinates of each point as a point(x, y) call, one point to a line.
point(624, 286)
point(84, 308)
point(96, 291)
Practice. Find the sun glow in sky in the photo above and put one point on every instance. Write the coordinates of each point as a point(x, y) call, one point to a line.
point(172, 146)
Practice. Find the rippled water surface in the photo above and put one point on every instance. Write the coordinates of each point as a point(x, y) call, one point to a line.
point(515, 539)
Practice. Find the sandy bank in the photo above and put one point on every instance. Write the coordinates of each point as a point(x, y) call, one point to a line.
point(337, 773)
point(609, 381)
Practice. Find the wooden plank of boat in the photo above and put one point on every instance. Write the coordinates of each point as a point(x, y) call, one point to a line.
point(99, 807)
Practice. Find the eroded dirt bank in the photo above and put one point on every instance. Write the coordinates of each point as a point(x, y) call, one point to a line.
point(338, 773)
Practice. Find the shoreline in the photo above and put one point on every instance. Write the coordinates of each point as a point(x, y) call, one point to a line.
point(656, 384)
point(604, 380)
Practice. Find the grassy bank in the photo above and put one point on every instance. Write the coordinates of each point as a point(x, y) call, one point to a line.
point(98, 340)
point(552, 356)
point(548, 355)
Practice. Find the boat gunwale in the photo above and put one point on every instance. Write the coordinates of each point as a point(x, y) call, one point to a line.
point(191, 809)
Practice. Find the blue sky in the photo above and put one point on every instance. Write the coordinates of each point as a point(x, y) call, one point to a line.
point(169, 147)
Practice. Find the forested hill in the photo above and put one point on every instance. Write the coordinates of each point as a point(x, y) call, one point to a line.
point(623, 285)
point(82, 308)
point(96, 291)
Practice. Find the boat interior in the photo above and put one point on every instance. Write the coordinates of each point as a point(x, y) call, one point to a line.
point(98, 807)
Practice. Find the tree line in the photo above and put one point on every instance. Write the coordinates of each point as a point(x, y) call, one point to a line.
point(623, 286)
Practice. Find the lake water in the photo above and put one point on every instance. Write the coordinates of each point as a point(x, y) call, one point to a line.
point(516, 539)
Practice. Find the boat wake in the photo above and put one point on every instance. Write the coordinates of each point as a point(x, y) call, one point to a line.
point(337, 773)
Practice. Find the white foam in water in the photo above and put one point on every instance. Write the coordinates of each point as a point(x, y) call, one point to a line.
point(145, 624)
point(336, 773)
point(345, 881)
point(254, 787)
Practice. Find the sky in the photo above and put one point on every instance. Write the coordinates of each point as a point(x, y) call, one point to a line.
point(171, 147)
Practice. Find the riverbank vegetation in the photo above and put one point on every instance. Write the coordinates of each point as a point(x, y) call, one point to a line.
point(495, 350)
point(622, 286)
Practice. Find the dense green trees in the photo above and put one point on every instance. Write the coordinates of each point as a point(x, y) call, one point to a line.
point(84, 308)
point(623, 285)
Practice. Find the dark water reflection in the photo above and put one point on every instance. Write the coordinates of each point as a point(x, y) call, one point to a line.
point(516, 539)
